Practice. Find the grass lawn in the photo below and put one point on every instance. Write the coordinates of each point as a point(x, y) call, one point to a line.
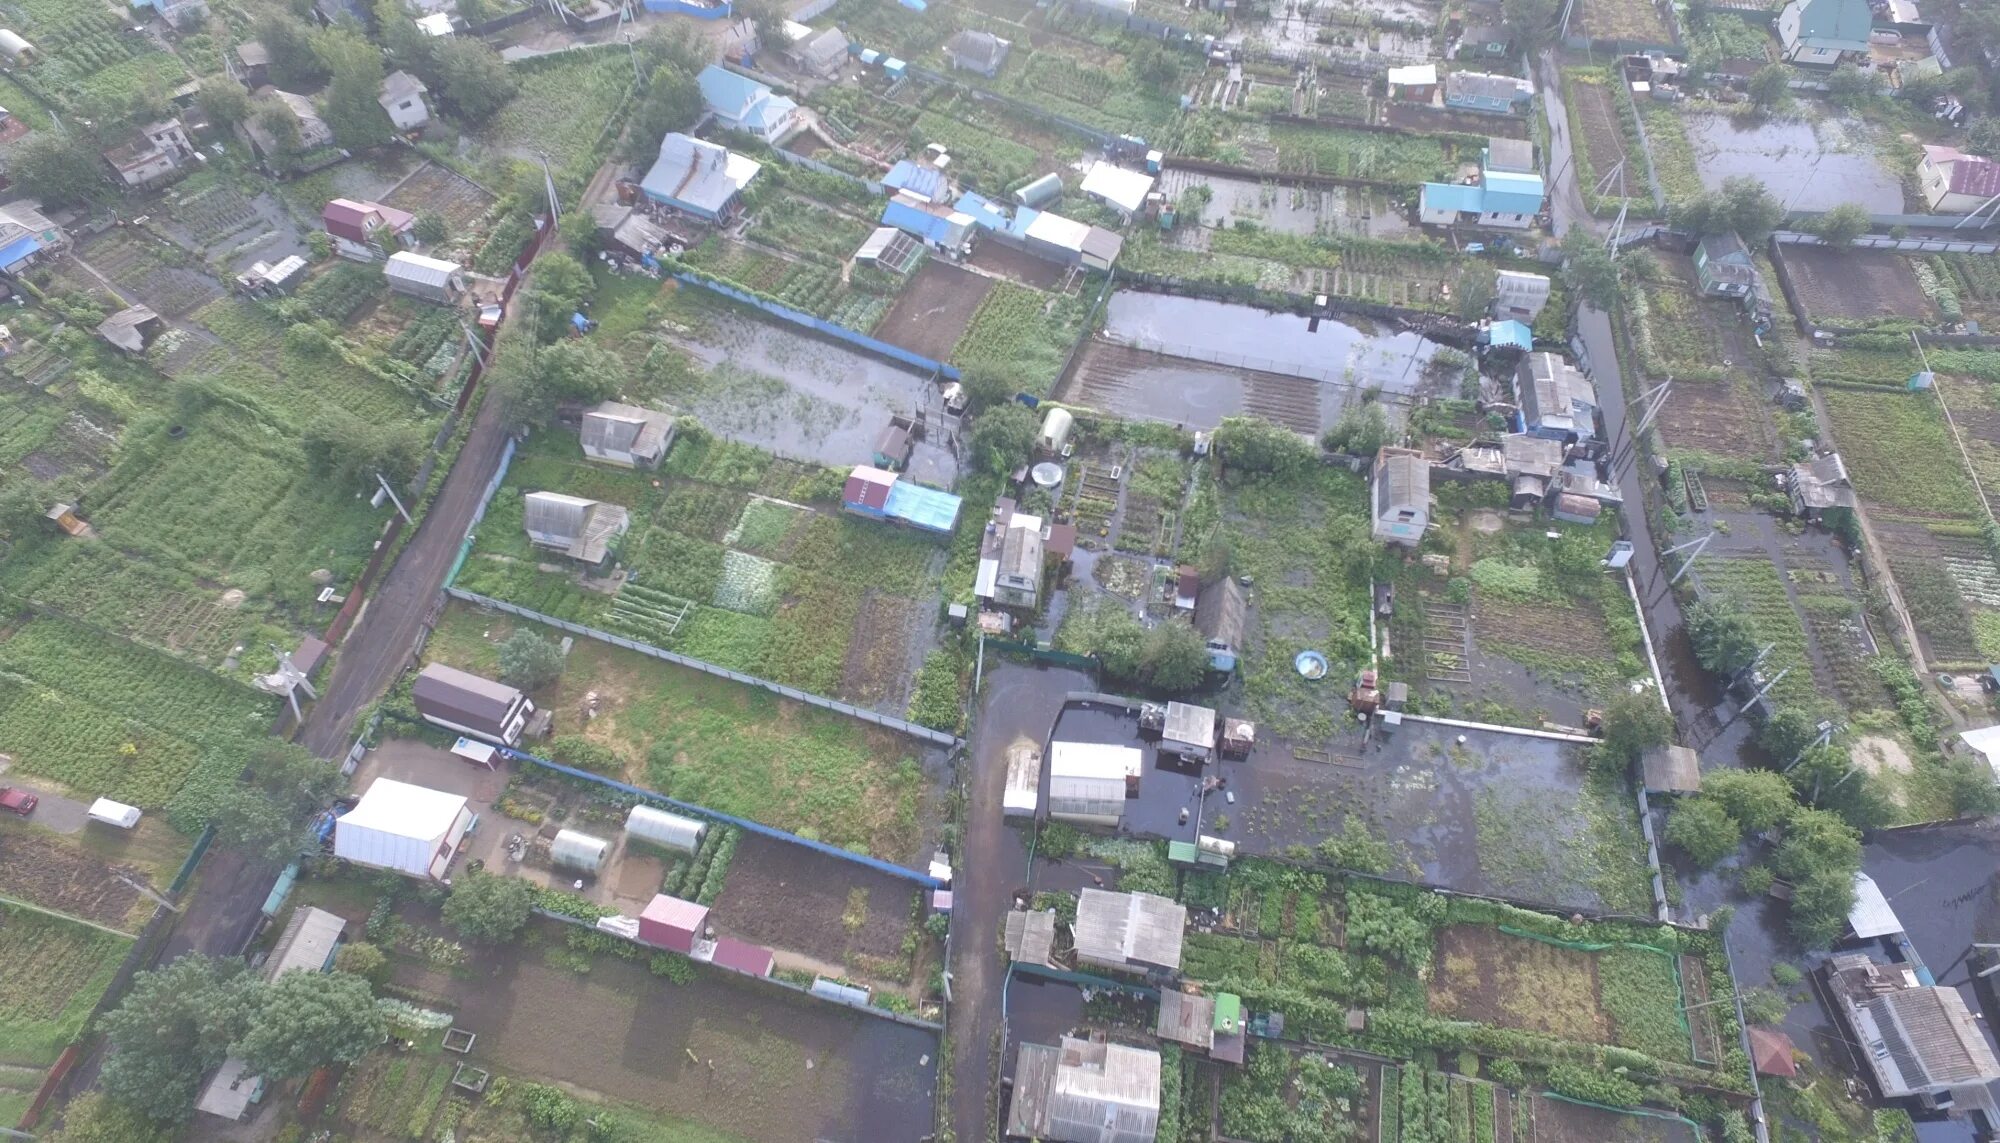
point(564, 104)
point(56, 971)
point(733, 748)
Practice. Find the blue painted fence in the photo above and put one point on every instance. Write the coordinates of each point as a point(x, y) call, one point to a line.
point(698, 11)
point(796, 317)
point(773, 832)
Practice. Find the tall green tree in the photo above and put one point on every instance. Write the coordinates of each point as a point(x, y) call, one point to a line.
point(173, 1026)
point(1819, 856)
point(557, 289)
point(269, 812)
point(347, 450)
point(1251, 444)
point(1175, 657)
point(1702, 829)
point(94, 1117)
point(306, 1020)
point(352, 111)
point(1841, 225)
point(295, 66)
point(1003, 437)
point(530, 660)
point(535, 382)
point(1532, 23)
point(1635, 723)
point(1589, 272)
point(1770, 88)
point(1757, 799)
point(1742, 204)
point(1724, 642)
point(57, 168)
point(672, 103)
point(223, 101)
point(488, 908)
point(472, 78)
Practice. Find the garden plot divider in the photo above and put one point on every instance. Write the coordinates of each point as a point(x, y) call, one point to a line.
point(812, 164)
point(887, 722)
point(653, 797)
point(1115, 146)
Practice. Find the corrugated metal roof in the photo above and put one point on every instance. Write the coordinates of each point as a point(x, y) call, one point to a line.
point(1510, 193)
point(1452, 196)
point(1029, 936)
point(1511, 335)
point(1186, 1018)
point(728, 94)
point(1122, 188)
point(1136, 929)
point(926, 182)
point(675, 913)
point(697, 175)
point(307, 944)
point(404, 266)
point(462, 693)
point(1871, 915)
point(1055, 230)
point(924, 507)
point(1932, 1038)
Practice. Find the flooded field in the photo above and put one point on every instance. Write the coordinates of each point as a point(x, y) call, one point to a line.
point(1485, 812)
point(1193, 362)
point(1288, 208)
point(1807, 166)
point(805, 398)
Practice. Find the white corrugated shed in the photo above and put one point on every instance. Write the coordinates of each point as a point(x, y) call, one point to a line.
point(1118, 187)
point(404, 266)
point(410, 829)
point(1087, 780)
point(1985, 742)
point(1055, 230)
point(1871, 915)
point(1024, 780)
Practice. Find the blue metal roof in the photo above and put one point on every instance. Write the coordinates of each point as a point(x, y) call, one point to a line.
point(1511, 335)
point(727, 93)
point(925, 507)
point(982, 210)
point(923, 224)
point(1023, 218)
point(1453, 196)
point(1509, 193)
point(926, 182)
point(20, 248)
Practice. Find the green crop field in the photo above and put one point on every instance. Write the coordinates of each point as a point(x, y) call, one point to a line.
point(565, 103)
point(56, 971)
point(738, 559)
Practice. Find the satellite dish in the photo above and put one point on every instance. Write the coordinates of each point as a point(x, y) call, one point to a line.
point(1047, 474)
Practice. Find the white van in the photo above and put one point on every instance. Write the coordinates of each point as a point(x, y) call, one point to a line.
point(114, 813)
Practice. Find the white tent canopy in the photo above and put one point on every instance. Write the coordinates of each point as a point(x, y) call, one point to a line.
point(410, 829)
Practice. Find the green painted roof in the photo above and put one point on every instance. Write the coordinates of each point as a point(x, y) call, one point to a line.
point(1841, 21)
point(1182, 851)
point(1228, 1012)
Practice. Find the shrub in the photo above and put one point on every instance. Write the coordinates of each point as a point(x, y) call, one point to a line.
point(1700, 828)
point(1580, 1082)
point(585, 754)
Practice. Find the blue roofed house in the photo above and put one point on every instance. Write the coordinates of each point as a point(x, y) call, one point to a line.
point(940, 227)
point(1557, 401)
point(1490, 94)
point(698, 177)
point(1823, 32)
point(982, 210)
point(1510, 335)
point(1509, 193)
point(919, 179)
point(882, 495)
point(740, 103)
point(26, 234)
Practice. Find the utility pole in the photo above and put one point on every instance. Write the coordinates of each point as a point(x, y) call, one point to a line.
point(391, 493)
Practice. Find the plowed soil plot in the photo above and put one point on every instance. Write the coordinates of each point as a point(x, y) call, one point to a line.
point(441, 191)
point(1137, 383)
point(42, 871)
point(1559, 1122)
point(1632, 20)
point(931, 313)
point(878, 656)
point(794, 898)
point(1603, 143)
point(1487, 976)
point(1715, 417)
point(1855, 284)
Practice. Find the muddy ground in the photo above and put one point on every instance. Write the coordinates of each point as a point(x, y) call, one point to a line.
point(791, 897)
point(41, 870)
point(933, 309)
point(1855, 285)
point(745, 1058)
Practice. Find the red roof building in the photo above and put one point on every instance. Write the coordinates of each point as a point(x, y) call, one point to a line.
point(867, 490)
point(1772, 1052)
point(744, 957)
point(672, 923)
point(364, 223)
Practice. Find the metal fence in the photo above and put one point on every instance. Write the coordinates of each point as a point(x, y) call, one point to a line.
point(890, 722)
point(860, 340)
point(1909, 245)
point(773, 832)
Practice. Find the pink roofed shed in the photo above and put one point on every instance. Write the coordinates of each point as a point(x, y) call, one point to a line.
point(672, 923)
point(744, 957)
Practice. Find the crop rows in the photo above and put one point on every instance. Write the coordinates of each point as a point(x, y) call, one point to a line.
point(1899, 453)
point(1754, 585)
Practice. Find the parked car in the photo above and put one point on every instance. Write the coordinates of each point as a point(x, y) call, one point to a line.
point(18, 801)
